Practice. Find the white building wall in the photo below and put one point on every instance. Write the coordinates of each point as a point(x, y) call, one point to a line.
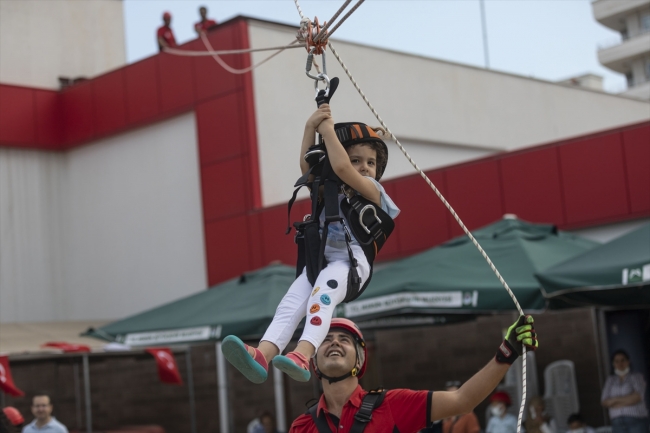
point(42, 40)
point(443, 112)
point(104, 231)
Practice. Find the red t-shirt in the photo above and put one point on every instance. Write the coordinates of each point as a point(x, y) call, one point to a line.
point(409, 411)
point(168, 36)
point(204, 25)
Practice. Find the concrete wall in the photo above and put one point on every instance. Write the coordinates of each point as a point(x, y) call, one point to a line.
point(42, 40)
point(102, 231)
point(444, 112)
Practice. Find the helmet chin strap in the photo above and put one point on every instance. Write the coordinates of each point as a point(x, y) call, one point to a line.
point(332, 380)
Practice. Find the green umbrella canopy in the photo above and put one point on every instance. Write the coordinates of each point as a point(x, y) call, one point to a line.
point(614, 274)
point(454, 277)
point(243, 306)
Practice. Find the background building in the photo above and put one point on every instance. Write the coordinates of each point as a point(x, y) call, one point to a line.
point(631, 56)
point(151, 181)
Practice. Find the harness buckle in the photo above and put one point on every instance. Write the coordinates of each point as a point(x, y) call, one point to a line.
point(363, 211)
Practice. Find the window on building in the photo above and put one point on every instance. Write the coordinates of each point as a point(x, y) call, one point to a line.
point(630, 79)
point(647, 69)
point(645, 22)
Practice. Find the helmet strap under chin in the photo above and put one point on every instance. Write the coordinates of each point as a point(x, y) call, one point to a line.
point(351, 373)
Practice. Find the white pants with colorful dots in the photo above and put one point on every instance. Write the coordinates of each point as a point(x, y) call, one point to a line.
point(317, 302)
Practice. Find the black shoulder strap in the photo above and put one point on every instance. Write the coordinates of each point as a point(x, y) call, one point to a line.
point(370, 402)
point(320, 422)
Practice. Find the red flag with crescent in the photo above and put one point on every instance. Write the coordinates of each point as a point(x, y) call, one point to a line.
point(67, 347)
point(6, 381)
point(167, 367)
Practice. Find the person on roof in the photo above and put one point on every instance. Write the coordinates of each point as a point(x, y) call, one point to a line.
point(358, 156)
point(205, 24)
point(164, 34)
point(346, 407)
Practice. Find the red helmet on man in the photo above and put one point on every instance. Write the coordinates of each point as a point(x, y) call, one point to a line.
point(351, 328)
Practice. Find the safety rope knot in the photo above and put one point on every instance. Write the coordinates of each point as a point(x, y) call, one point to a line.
point(313, 36)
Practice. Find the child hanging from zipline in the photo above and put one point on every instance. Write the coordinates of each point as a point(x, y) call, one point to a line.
point(339, 267)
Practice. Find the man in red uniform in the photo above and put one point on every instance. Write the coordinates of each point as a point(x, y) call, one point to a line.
point(165, 35)
point(205, 24)
point(341, 361)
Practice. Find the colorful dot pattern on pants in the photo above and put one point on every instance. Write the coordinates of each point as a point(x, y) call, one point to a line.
point(314, 309)
point(316, 321)
point(325, 299)
point(333, 284)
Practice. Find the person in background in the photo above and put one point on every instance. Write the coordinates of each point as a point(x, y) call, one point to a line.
point(165, 35)
point(205, 24)
point(623, 395)
point(265, 423)
point(467, 423)
point(538, 421)
point(44, 421)
point(578, 425)
point(501, 421)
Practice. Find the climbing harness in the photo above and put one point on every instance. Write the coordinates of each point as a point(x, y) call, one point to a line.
point(366, 221)
point(370, 402)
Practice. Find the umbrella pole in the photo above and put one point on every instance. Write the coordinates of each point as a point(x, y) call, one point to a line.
point(190, 387)
point(89, 415)
point(222, 386)
point(280, 411)
point(77, 394)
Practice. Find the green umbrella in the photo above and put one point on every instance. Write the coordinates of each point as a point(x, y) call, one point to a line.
point(243, 306)
point(454, 278)
point(614, 274)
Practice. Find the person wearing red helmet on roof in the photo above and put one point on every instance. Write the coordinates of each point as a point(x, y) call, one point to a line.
point(346, 407)
point(501, 421)
point(165, 35)
point(205, 24)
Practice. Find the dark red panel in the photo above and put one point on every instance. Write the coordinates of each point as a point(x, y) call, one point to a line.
point(275, 244)
point(474, 192)
point(594, 179)
point(49, 125)
point(531, 185)
point(109, 101)
point(220, 128)
point(211, 78)
point(223, 186)
point(17, 115)
point(423, 221)
point(176, 82)
point(78, 113)
point(142, 90)
point(227, 248)
point(636, 143)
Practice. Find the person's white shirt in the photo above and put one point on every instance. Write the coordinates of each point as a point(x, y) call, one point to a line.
point(53, 426)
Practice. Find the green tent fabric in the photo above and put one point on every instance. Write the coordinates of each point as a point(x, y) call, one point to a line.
point(243, 306)
point(614, 274)
point(454, 278)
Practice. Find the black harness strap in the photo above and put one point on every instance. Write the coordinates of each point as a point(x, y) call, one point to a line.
point(370, 402)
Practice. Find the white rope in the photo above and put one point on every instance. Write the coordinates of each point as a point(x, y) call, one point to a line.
point(216, 54)
point(453, 213)
point(447, 205)
point(189, 53)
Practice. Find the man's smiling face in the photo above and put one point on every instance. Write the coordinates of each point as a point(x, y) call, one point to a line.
point(337, 355)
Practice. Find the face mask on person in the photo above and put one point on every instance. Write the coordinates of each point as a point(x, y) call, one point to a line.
point(622, 372)
point(497, 410)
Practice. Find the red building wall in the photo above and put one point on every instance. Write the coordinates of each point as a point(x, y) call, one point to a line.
point(584, 181)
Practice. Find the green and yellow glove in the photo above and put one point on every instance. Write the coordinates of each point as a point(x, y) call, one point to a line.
point(521, 332)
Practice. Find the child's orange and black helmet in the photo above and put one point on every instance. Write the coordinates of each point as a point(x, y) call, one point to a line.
point(353, 133)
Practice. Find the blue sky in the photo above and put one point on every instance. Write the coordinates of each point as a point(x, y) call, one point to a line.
point(546, 39)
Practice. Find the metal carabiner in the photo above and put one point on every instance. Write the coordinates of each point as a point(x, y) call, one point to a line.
point(320, 77)
point(326, 79)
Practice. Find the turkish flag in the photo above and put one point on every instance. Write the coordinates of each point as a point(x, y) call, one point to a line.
point(167, 368)
point(6, 381)
point(67, 347)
